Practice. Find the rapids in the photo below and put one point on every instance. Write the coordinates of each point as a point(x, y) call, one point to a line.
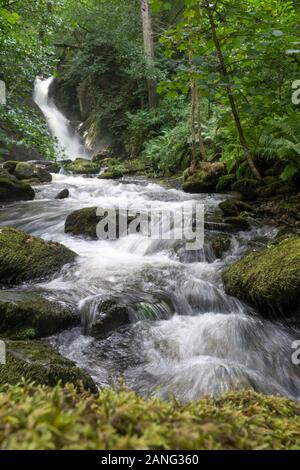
point(191, 339)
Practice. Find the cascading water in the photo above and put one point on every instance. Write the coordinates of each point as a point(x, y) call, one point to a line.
point(186, 336)
point(68, 143)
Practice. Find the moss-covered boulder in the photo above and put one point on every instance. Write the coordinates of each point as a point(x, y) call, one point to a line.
point(233, 207)
point(10, 166)
point(84, 221)
point(111, 174)
point(82, 166)
point(54, 168)
point(38, 362)
point(28, 316)
point(225, 183)
point(205, 179)
point(27, 171)
point(12, 190)
point(237, 224)
point(269, 280)
point(24, 257)
point(273, 187)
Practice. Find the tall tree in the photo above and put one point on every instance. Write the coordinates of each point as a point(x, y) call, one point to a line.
point(149, 50)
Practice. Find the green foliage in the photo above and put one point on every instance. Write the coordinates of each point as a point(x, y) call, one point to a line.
point(37, 417)
point(169, 152)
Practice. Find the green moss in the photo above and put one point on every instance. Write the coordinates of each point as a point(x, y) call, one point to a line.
point(35, 417)
point(12, 190)
point(29, 172)
point(10, 166)
point(82, 166)
point(24, 257)
point(40, 363)
point(247, 187)
point(26, 315)
point(203, 180)
point(269, 280)
point(83, 222)
point(233, 207)
point(237, 223)
point(225, 183)
point(113, 173)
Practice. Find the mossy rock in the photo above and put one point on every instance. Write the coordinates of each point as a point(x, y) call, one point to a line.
point(275, 187)
point(28, 316)
point(237, 224)
point(218, 243)
point(205, 179)
point(27, 171)
point(111, 174)
point(247, 187)
point(38, 362)
point(269, 280)
point(84, 221)
point(12, 190)
point(24, 257)
point(54, 168)
point(82, 166)
point(10, 166)
point(233, 207)
point(38, 417)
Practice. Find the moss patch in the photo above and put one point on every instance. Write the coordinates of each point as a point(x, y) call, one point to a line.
point(205, 179)
point(35, 417)
point(26, 315)
point(37, 362)
point(82, 166)
point(269, 280)
point(12, 190)
point(24, 257)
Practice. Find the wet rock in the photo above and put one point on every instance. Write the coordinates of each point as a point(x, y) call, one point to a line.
point(26, 315)
point(24, 257)
point(84, 221)
point(204, 179)
point(233, 207)
point(82, 166)
point(247, 187)
point(237, 224)
point(54, 168)
point(12, 190)
point(111, 315)
point(38, 362)
point(269, 279)
point(64, 194)
point(27, 171)
point(219, 244)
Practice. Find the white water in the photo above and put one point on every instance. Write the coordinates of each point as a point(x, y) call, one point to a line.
point(68, 143)
point(197, 341)
point(193, 338)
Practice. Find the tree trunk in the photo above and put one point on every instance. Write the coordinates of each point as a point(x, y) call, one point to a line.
point(232, 102)
point(149, 49)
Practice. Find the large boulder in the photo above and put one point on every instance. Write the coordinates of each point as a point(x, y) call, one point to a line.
point(84, 221)
point(110, 316)
point(269, 280)
point(63, 194)
point(12, 190)
point(24, 257)
point(205, 179)
point(28, 171)
point(26, 315)
point(40, 363)
point(82, 166)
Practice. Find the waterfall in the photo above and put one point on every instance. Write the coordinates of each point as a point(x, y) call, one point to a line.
point(68, 143)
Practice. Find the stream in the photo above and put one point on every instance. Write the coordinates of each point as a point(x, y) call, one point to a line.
point(186, 336)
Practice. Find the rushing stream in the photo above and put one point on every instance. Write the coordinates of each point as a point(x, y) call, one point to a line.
point(186, 336)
